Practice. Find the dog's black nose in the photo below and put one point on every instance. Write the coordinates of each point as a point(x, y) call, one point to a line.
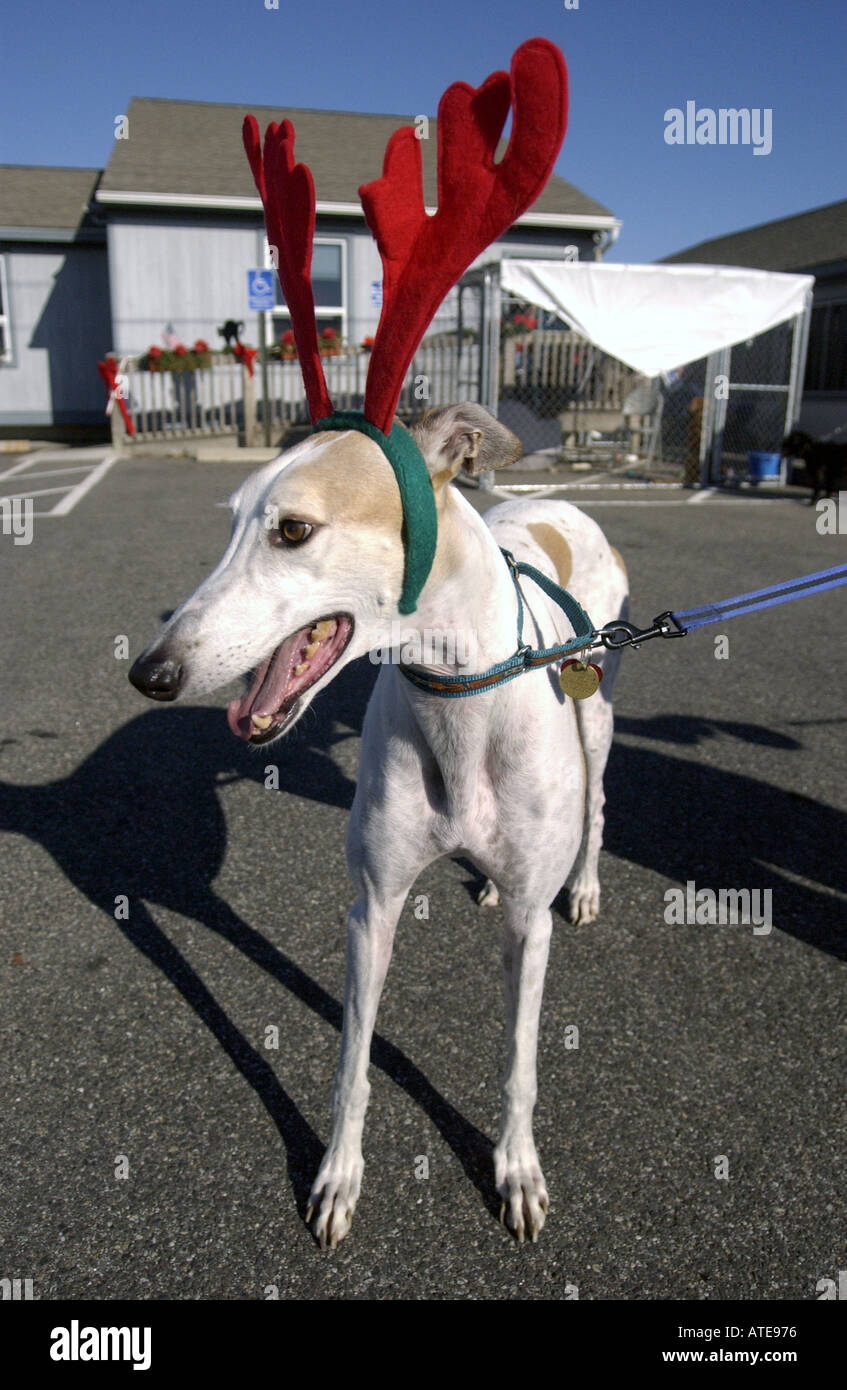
point(160, 680)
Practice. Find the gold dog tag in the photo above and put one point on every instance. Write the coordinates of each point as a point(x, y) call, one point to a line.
point(578, 679)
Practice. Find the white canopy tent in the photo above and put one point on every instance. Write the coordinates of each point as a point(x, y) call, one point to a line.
point(657, 318)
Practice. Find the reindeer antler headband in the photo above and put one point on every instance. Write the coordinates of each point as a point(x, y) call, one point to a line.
point(422, 256)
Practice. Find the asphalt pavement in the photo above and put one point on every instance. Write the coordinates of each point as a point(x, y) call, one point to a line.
point(166, 1078)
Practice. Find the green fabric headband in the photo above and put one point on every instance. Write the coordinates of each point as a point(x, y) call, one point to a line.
point(420, 519)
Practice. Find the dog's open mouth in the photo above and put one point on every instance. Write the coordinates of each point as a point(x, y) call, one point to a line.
point(273, 700)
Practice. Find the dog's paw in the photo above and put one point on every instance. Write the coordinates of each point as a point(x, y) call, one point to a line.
point(520, 1183)
point(489, 894)
point(333, 1198)
point(584, 900)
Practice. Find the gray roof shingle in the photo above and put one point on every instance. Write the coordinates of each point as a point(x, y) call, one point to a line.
point(194, 147)
point(800, 242)
point(42, 196)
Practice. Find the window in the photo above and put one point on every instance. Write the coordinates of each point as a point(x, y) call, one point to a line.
point(329, 263)
point(5, 335)
point(826, 362)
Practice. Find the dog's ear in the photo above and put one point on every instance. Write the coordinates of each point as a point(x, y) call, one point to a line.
point(464, 436)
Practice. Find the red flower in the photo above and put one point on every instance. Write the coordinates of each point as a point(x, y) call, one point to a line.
point(180, 350)
point(367, 342)
point(201, 346)
point(531, 323)
point(287, 337)
point(154, 352)
point(329, 333)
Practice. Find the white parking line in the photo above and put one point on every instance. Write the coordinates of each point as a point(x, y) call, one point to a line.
point(85, 486)
point(35, 492)
point(71, 492)
point(574, 487)
point(717, 501)
point(703, 494)
point(54, 472)
point(17, 467)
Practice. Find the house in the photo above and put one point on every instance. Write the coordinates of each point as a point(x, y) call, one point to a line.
point(814, 243)
point(177, 222)
point(55, 318)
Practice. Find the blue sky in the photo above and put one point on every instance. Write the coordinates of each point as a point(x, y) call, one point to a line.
point(70, 68)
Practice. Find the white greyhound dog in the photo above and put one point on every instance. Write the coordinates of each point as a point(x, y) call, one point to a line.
point(511, 777)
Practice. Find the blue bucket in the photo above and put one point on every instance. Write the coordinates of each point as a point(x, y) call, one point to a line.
point(763, 465)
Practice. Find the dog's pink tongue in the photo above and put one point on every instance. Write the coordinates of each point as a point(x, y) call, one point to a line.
point(267, 693)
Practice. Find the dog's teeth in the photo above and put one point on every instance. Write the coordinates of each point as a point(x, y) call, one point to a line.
point(262, 721)
point(311, 649)
point(327, 627)
point(298, 670)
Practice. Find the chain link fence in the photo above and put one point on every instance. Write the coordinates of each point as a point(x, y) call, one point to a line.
point(753, 417)
point(569, 402)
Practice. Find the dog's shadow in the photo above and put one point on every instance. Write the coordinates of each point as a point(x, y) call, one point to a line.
point(140, 817)
point(687, 819)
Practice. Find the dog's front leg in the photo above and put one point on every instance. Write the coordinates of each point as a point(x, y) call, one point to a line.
point(370, 937)
point(520, 1182)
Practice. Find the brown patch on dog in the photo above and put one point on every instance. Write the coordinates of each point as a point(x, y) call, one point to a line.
point(553, 543)
point(345, 480)
point(616, 556)
point(349, 482)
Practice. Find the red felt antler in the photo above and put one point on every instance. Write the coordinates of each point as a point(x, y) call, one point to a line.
point(478, 200)
point(288, 195)
point(422, 256)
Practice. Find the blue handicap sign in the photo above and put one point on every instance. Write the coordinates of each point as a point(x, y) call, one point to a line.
point(260, 289)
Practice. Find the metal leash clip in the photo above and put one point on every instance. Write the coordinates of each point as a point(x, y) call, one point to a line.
point(619, 634)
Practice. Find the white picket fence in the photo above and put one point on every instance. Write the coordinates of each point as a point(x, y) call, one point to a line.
point(223, 399)
point(179, 405)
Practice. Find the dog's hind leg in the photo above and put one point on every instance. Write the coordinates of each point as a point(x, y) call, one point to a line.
point(517, 1172)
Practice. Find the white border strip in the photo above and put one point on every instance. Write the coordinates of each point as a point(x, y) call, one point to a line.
point(119, 198)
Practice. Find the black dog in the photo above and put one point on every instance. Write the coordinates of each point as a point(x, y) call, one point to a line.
point(826, 464)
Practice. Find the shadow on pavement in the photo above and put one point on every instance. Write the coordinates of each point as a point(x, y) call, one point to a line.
point(141, 817)
point(688, 820)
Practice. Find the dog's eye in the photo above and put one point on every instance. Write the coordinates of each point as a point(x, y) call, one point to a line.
point(293, 532)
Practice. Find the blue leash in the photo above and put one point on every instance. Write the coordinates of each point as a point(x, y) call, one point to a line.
point(677, 624)
point(614, 635)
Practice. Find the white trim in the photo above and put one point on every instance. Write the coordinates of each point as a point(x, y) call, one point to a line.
point(180, 200)
point(7, 356)
point(330, 209)
point(567, 219)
